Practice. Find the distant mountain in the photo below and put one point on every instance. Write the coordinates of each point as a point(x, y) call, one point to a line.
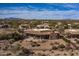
point(10, 18)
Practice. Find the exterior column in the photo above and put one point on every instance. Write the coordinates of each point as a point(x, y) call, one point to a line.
point(50, 37)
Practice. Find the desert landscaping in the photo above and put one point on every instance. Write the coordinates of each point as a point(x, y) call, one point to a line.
point(39, 38)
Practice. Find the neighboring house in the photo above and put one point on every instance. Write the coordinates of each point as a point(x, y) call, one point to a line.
point(43, 26)
point(5, 26)
point(24, 26)
point(72, 33)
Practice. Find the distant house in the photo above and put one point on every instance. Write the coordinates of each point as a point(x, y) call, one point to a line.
point(72, 33)
point(5, 26)
point(24, 26)
point(43, 26)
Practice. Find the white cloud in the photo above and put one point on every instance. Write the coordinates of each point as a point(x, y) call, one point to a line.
point(71, 14)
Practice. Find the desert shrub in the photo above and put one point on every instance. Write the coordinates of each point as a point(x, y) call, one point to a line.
point(72, 54)
point(26, 52)
point(38, 44)
point(77, 48)
point(61, 49)
point(64, 54)
point(51, 44)
point(57, 54)
point(66, 40)
point(54, 48)
point(68, 47)
point(11, 41)
point(52, 51)
point(77, 42)
point(8, 54)
point(61, 46)
point(43, 41)
point(35, 23)
point(3, 37)
point(35, 44)
point(0, 48)
point(20, 54)
point(16, 47)
point(15, 36)
point(56, 43)
point(76, 53)
point(5, 48)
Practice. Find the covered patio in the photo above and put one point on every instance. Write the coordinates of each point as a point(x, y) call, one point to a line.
point(42, 34)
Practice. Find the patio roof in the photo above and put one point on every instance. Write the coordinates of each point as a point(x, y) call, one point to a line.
point(44, 32)
point(72, 31)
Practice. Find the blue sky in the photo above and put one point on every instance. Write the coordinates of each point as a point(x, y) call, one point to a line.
point(40, 10)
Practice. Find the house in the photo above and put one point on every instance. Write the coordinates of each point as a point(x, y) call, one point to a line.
point(24, 26)
point(5, 26)
point(72, 33)
point(42, 32)
point(43, 26)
